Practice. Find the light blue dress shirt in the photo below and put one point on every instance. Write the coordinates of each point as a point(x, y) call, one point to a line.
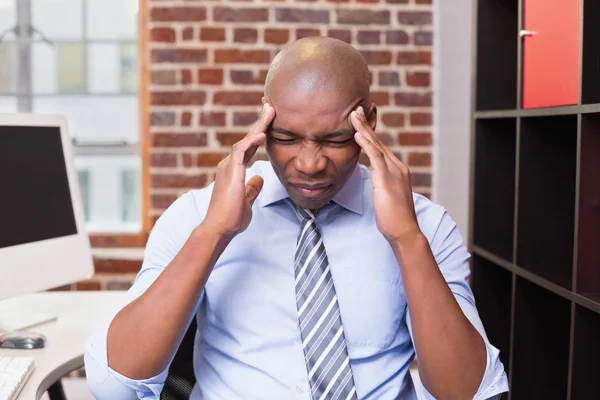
point(248, 344)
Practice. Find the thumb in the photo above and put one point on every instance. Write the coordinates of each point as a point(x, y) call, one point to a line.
point(253, 188)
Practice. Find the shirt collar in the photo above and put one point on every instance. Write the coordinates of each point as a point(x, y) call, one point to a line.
point(350, 196)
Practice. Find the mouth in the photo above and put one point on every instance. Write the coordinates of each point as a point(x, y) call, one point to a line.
point(311, 191)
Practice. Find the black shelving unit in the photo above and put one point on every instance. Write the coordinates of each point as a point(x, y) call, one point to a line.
point(535, 212)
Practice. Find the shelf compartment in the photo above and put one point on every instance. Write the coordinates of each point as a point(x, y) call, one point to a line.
point(590, 90)
point(541, 343)
point(494, 197)
point(588, 237)
point(586, 353)
point(497, 53)
point(546, 200)
point(492, 287)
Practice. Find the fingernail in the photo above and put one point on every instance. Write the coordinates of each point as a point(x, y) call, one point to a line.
point(361, 111)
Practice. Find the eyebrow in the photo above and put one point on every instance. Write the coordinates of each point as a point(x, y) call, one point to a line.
point(330, 135)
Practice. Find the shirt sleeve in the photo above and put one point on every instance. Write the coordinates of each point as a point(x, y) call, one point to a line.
point(452, 258)
point(166, 240)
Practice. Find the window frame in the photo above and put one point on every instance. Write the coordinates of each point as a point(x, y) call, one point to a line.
point(116, 239)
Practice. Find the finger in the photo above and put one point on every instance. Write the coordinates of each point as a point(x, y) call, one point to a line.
point(264, 120)
point(359, 122)
point(375, 154)
point(245, 147)
point(253, 188)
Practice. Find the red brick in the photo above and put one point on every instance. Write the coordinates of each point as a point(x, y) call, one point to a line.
point(389, 78)
point(305, 32)
point(363, 17)
point(192, 14)
point(277, 36)
point(210, 76)
point(393, 119)
point(367, 1)
point(414, 17)
point(228, 139)
point(188, 160)
point(420, 179)
point(178, 55)
point(397, 1)
point(186, 76)
point(160, 77)
point(418, 79)
point(341, 34)
point(228, 98)
point(162, 200)
point(88, 285)
point(247, 77)
point(385, 138)
point(380, 98)
point(244, 118)
point(423, 38)
point(369, 37)
point(118, 285)
point(227, 14)
point(162, 118)
point(420, 119)
point(212, 118)
point(408, 99)
point(178, 98)
point(114, 266)
point(212, 34)
point(377, 57)
point(179, 140)
point(61, 288)
point(419, 159)
point(164, 35)
point(338, 1)
point(209, 159)
point(178, 181)
point(187, 33)
point(242, 56)
point(302, 15)
point(186, 118)
point(415, 139)
point(245, 35)
point(163, 160)
point(414, 58)
point(396, 37)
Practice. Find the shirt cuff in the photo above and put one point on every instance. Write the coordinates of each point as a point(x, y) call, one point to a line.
point(106, 383)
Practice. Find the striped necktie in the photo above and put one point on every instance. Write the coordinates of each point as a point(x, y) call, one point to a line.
point(323, 341)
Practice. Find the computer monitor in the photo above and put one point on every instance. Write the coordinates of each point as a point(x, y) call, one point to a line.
point(43, 241)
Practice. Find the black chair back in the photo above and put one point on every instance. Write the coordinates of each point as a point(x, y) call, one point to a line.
point(181, 378)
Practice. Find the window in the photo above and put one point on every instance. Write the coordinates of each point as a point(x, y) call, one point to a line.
point(79, 58)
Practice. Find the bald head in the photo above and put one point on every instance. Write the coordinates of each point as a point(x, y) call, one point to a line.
point(319, 63)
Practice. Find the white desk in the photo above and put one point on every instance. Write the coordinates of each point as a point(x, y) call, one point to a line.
point(79, 313)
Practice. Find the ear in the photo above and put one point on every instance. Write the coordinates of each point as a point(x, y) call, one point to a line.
point(372, 116)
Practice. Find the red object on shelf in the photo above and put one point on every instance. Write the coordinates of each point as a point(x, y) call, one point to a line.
point(551, 53)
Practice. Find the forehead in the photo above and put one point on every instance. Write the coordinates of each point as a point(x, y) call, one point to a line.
point(313, 111)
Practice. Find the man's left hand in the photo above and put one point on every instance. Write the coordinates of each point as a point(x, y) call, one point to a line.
point(392, 190)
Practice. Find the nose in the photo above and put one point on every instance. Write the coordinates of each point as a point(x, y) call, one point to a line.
point(310, 161)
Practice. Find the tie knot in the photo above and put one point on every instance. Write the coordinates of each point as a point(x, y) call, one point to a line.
point(302, 213)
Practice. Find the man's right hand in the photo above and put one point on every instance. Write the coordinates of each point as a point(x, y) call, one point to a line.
point(230, 209)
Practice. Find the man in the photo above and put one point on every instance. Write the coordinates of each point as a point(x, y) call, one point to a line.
point(312, 277)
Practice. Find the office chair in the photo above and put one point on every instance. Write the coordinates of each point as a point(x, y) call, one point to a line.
point(181, 379)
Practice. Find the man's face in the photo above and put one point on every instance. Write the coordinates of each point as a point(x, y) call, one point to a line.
point(311, 142)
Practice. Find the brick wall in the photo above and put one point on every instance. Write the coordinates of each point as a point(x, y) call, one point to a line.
point(207, 64)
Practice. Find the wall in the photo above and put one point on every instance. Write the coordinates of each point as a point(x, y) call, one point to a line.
point(453, 74)
point(207, 63)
